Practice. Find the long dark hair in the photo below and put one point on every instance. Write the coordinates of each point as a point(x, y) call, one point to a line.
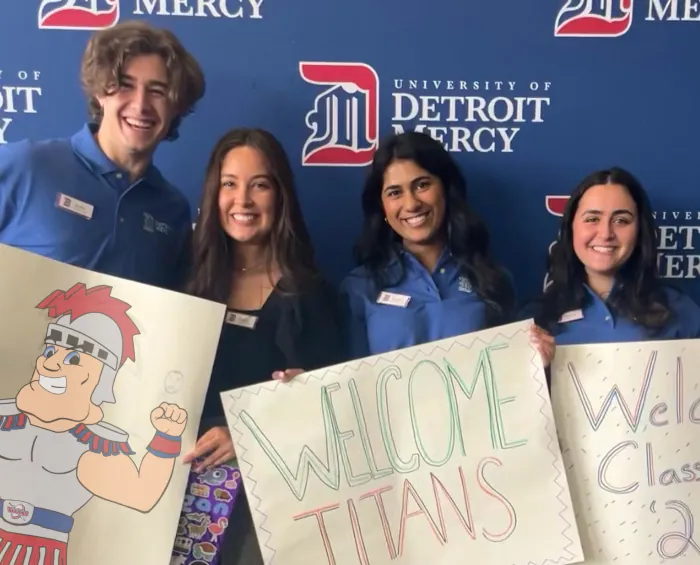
point(466, 234)
point(638, 294)
point(290, 245)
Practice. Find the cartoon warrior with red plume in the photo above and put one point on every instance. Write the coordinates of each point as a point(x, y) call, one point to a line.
point(56, 452)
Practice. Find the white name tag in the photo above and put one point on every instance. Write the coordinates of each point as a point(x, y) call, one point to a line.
point(242, 320)
point(571, 316)
point(392, 299)
point(74, 205)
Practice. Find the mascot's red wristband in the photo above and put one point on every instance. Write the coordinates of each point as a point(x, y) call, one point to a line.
point(163, 445)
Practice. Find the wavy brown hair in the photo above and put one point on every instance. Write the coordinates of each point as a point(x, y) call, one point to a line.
point(289, 246)
point(109, 50)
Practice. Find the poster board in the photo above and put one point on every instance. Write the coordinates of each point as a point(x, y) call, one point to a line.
point(628, 416)
point(102, 388)
point(441, 453)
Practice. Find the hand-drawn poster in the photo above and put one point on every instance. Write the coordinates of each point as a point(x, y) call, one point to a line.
point(442, 453)
point(629, 420)
point(101, 393)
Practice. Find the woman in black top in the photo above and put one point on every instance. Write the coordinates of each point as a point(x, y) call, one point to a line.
point(252, 251)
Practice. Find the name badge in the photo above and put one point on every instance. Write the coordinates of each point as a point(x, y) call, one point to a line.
point(74, 205)
point(242, 320)
point(571, 316)
point(392, 299)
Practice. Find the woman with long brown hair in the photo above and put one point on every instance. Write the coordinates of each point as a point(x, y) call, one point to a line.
point(252, 251)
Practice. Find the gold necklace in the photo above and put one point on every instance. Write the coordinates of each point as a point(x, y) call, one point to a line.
point(246, 269)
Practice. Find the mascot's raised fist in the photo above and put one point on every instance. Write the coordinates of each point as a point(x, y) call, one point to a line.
point(169, 419)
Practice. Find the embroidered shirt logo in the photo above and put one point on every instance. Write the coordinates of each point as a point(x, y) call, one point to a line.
point(465, 284)
point(151, 225)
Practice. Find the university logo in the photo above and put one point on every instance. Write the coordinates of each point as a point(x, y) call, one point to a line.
point(344, 121)
point(594, 18)
point(78, 14)
point(20, 96)
point(555, 204)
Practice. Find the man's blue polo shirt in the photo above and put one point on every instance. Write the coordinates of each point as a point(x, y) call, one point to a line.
point(64, 199)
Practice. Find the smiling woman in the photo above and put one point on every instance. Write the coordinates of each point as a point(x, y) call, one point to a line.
point(252, 251)
point(414, 204)
point(424, 267)
point(603, 270)
point(246, 220)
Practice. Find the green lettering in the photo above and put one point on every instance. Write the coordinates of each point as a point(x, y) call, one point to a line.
point(384, 426)
point(353, 480)
point(328, 474)
point(377, 473)
point(455, 426)
point(484, 368)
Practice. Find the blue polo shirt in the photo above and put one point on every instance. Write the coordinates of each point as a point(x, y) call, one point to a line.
point(595, 323)
point(426, 306)
point(65, 200)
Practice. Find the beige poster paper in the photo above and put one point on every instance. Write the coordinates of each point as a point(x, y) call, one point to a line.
point(103, 383)
point(628, 417)
point(443, 453)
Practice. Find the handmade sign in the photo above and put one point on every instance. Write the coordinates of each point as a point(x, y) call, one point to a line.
point(628, 417)
point(101, 394)
point(442, 453)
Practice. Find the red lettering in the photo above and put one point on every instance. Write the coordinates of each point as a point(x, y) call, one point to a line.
point(377, 495)
point(468, 523)
point(488, 489)
point(318, 512)
point(357, 534)
point(405, 515)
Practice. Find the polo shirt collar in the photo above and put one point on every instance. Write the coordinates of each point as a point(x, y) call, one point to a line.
point(617, 285)
point(86, 146)
point(400, 254)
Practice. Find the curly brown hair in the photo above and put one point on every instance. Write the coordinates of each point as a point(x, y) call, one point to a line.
point(109, 50)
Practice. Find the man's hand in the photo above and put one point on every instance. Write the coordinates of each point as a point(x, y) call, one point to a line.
point(169, 419)
point(216, 444)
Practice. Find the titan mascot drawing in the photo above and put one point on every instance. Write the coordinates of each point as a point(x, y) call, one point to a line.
point(56, 451)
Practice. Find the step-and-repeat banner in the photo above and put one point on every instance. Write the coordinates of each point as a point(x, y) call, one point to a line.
point(528, 96)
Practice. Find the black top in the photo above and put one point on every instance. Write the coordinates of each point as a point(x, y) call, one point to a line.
point(302, 331)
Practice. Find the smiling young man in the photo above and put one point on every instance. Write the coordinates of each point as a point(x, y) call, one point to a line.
point(96, 200)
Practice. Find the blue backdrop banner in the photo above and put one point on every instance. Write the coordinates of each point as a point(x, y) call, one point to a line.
point(528, 96)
